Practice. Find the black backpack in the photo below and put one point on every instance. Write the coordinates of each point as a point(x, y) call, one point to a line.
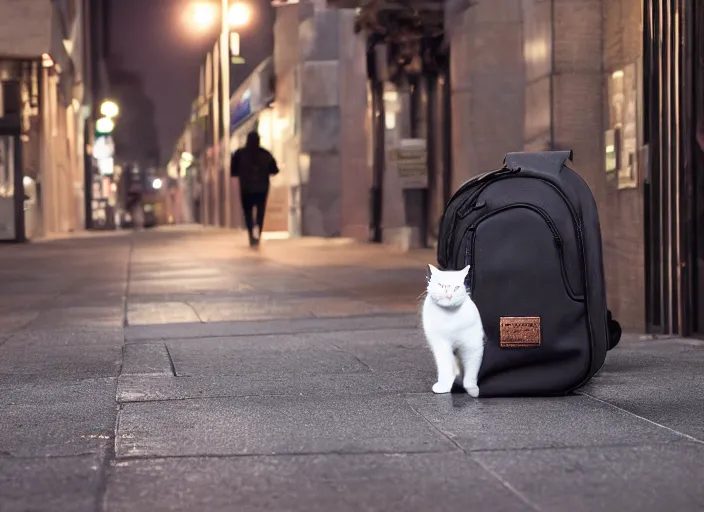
point(530, 232)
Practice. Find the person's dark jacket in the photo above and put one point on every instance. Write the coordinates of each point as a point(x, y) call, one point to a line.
point(253, 165)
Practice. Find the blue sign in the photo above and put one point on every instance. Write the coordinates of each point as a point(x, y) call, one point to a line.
point(241, 110)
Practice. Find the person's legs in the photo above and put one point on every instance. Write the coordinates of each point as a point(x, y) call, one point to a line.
point(247, 206)
point(260, 200)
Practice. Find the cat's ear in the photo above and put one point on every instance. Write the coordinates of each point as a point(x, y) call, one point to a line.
point(465, 270)
point(431, 271)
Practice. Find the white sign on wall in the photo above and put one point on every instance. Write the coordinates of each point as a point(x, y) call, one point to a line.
point(411, 160)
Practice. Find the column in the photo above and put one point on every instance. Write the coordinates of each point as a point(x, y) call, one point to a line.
point(487, 84)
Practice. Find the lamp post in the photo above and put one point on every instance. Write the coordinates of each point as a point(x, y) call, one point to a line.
point(225, 110)
point(232, 16)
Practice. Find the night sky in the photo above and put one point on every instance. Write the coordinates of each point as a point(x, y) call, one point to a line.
point(154, 38)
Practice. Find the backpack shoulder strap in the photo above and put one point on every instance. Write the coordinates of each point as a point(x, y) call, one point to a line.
point(548, 162)
point(614, 329)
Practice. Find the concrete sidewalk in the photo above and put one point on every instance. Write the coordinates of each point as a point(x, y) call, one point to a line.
point(294, 378)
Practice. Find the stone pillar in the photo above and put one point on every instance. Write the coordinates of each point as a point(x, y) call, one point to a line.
point(321, 108)
point(286, 110)
point(526, 74)
point(47, 174)
point(578, 87)
point(320, 122)
point(487, 82)
point(355, 173)
point(622, 216)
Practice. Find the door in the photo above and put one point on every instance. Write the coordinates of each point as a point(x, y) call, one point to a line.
point(697, 179)
point(670, 101)
point(11, 190)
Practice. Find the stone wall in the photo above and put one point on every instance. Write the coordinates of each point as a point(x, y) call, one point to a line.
point(320, 122)
point(25, 28)
point(538, 53)
point(623, 218)
point(321, 80)
point(355, 171)
point(531, 74)
point(287, 114)
point(487, 71)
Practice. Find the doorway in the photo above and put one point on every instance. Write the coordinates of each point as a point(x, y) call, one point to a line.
point(696, 229)
point(673, 58)
point(11, 189)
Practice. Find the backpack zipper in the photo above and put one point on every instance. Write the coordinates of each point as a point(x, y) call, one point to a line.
point(466, 207)
point(469, 256)
point(555, 234)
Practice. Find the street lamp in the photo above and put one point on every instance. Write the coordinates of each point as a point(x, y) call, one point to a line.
point(231, 16)
point(239, 15)
point(109, 109)
point(104, 125)
point(204, 14)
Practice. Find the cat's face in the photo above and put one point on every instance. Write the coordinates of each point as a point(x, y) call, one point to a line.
point(446, 287)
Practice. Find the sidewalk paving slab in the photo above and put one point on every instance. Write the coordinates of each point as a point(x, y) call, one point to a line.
point(65, 484)
point(148, 333)
point(58, 362)
point(267, 355)
point(146, 388)
point(616, 478)
point(519, 424)
point(661, 380)
point(147, 359)
point(315, 483)
point(49, 420)
point(328, 409)
point(271, 425)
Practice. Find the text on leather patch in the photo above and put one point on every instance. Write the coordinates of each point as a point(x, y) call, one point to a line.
point(519, 331)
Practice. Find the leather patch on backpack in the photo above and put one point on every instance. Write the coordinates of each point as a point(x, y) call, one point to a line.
point(519, 331)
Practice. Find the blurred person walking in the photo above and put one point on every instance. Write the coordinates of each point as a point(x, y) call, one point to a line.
point(131, 195)
point(253, 165)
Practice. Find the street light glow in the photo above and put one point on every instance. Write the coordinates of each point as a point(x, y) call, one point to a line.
point(204, 14)
point(105, 125)
point(109, 109)
point(239, 15)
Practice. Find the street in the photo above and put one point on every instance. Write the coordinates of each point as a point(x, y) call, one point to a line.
point(177, 369)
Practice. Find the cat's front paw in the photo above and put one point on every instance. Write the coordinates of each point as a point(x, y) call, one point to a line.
point(440, 387)
point(473, 390)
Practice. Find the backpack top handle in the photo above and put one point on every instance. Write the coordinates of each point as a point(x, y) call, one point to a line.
point(550, 162)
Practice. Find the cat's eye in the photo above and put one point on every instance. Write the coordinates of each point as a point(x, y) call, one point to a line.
point(457, 288)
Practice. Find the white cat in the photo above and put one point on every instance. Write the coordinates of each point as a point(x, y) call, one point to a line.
point(454, 330)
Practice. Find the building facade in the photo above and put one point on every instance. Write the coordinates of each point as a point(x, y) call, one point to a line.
point(374, 128)
point(45, 67)
point(309, 103)
point(620, 82)
point(616, 81)
point(320, 114)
